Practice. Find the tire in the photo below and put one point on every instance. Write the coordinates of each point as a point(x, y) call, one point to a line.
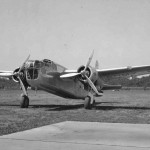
point(87, 103)
point(24, 102)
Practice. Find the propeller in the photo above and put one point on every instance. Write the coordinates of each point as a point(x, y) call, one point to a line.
point(93, 86)
point(9, 74)
point(19, 78)
point(24, 64)
point(83, 73)
point(23, 87)
point(88, 63)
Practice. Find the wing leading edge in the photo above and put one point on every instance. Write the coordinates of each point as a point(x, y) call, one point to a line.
point(6, 74)
point(135, 70)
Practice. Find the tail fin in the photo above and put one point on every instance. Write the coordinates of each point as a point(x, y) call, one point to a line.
point(96, 64)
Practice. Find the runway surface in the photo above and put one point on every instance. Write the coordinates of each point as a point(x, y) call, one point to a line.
point(80, 135)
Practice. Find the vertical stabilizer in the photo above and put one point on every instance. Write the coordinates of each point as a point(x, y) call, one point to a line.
point(96, 64)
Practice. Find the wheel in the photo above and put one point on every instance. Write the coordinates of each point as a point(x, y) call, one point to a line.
point(24, 102)
point(87, 103)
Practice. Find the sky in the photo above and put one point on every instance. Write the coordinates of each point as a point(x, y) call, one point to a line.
point(67, 31)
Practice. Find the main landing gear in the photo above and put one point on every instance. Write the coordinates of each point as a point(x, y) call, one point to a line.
point(89, 101)
point(24, 101)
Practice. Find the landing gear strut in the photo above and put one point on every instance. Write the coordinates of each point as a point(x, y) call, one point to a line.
point(24, 102)
point(89, 101)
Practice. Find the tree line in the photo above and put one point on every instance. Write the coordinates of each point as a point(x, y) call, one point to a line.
point(8, 84)
point(126, 82)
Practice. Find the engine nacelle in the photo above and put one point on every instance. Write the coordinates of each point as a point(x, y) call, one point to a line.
point(90, 72)
point(22, 75)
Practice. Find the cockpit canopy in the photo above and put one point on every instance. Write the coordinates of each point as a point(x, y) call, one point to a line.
point(36, 64)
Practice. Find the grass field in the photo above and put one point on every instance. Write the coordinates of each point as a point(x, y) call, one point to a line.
point(118, 107)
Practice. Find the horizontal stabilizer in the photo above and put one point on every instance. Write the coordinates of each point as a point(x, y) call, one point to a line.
point(111, 87)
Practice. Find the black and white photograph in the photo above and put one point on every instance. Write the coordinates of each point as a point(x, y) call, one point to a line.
point(75, 74)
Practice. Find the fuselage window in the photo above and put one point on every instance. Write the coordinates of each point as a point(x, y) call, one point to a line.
point(32, 74)
point(35, 74)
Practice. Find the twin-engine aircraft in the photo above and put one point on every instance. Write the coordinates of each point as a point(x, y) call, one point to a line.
point(84, 83)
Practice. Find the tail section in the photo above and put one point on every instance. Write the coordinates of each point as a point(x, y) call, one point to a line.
point(96, 64)
point(111, 87)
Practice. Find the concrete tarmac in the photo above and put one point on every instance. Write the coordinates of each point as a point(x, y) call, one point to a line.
point(80, 136)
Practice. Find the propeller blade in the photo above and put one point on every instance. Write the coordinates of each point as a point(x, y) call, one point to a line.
point(22, 86)
point(89, 61)
point(93, 86)
point(23, 64)
point(68, 75)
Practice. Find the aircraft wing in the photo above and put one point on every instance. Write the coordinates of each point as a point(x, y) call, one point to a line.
point(70, 71)
point(6, 74)
point(136, 71)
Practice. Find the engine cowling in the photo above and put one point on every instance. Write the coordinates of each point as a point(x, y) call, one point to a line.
point(90, 72)
point(22, 75)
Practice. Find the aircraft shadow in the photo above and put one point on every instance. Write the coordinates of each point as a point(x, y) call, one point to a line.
point(62, 107)
point(49, 107)
point(58, 107)
point(98, 106)
point(121, 107)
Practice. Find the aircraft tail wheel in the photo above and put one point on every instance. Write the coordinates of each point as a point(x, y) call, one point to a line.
point(24, 102)
point(87, 102)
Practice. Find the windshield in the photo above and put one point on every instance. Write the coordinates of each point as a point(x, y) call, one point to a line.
point(49, 66)
point(32, 67)
point(32, 74)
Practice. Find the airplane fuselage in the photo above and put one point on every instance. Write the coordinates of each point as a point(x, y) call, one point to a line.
point(45, 75)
